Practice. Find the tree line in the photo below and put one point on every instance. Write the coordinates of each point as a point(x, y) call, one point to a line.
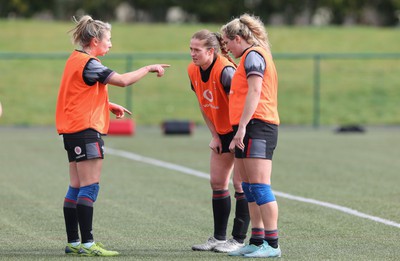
point(278, 12)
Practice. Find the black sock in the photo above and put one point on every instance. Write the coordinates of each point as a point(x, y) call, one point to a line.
point(271, 236)
point(85, 217)
point(257, 236)
point(221, 203)
point(242, 218)
point(71, 220)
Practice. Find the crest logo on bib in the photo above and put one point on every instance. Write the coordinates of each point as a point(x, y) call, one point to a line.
point(207, 94)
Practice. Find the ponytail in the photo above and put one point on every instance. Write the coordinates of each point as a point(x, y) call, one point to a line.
point(86, 29)
point(250, 28)
point(224, 50)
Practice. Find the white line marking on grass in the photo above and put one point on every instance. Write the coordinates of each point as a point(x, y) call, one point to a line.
point(337, 207)
point(155, 162)
point(189, 171)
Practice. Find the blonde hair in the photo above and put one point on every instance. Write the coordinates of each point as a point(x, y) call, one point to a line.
point(213, 40)
point(250, 28)
point(86, 29)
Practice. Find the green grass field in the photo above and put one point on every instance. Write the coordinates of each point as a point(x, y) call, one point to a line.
point(353, 91)
point(148, 212)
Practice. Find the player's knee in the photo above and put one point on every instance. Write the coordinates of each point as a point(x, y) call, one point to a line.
point(237, 185)
point(90, 191)
point(219, 184)
point(262, 193)
point(72, 193)
point(247, 192)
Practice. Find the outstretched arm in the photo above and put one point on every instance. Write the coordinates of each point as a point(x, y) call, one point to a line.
point(129, 78)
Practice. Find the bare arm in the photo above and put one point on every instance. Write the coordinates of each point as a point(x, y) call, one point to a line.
point(210, 125)
point(252, 99)
point(215, 143)
point(129, 78)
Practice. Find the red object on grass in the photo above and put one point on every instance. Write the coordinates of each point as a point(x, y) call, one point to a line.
point(122, 127)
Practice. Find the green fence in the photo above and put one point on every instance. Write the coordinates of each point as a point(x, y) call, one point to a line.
point(315, 58)
point(318, 57)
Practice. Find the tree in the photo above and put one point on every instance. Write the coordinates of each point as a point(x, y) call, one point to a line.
point(385, 12)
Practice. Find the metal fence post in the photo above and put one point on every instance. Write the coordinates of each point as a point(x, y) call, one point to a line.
point(317, 94)
point(129, 62)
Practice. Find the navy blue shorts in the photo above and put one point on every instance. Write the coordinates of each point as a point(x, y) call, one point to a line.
point(84, 145)
point(260, 140)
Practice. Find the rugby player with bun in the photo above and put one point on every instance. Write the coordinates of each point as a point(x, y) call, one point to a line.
point(82, 118)
point(253, 113)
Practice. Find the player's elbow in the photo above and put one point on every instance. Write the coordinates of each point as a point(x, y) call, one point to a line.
point(124, 83)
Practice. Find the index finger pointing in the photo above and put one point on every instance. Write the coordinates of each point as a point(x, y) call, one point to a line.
point(125, 110)
point(165, 65)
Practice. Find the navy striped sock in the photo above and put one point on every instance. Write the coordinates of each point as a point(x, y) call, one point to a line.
point(271, 236)
point(221, 203)
point(242, 218)
point(71, 220)
point(257, 236)
point(85, 216)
